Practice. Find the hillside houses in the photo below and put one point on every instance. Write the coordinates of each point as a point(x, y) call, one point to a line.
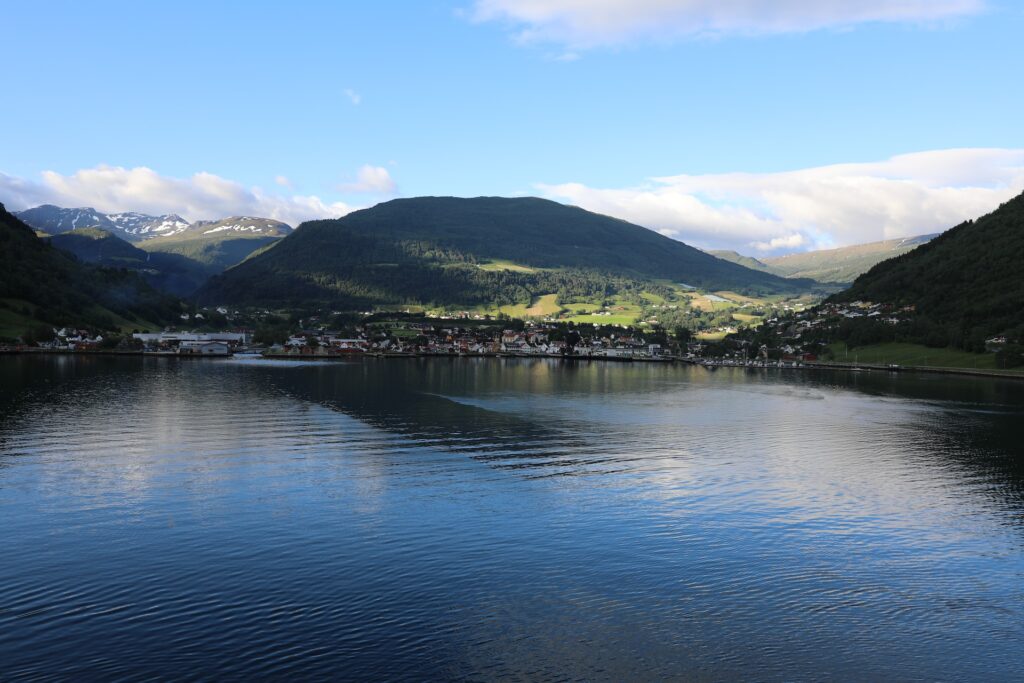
point(417, 339)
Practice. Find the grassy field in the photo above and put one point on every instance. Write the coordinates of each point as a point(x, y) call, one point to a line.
point(704, 302)
point(541, 306)
point(610, 319)
point(914, 354)
point(582, 307)
point(621, 312)
point(653, 298)
point(511, 310)
point(742, 299)
point(12, 323)
point(544, 306)
point(507, 265)
point(710, 336)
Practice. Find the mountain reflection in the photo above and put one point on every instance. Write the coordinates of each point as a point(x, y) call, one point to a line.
point(505, 518)
point(518, 411)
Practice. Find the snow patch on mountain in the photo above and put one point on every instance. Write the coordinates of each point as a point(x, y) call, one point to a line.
point(143, 225)
point(135, 227)
point(244, 224)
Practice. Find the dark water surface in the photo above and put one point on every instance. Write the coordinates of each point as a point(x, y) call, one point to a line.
point(506, 519)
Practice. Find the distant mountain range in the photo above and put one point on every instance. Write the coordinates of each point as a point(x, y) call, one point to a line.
point(140, 227)
point(833, 266)
point(454, 251)
point(168, 251)
point(131, 226)
point(218, 245)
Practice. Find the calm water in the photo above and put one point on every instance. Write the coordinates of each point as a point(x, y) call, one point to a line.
point(506, 519)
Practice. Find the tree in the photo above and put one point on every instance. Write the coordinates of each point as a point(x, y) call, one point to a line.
point(682, 334)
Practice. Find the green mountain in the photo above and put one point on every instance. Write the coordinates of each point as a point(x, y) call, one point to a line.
point(966, 285)
point(172, 273)
point(844, 264)
point(831, 266)
point(740, 259)
point(40, 284)
point(487, 250)
point(218, 245)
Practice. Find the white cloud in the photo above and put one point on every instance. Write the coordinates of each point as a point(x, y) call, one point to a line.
point(839, 205)
point(788, 243)
point(202, 196)
point(283, 181)
point(354, 97)
point(585, 24)
point(375, 179)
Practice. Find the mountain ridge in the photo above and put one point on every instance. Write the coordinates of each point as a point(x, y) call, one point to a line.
point(134, 226)
point(835, 266)
point(218, 245)
point(441, 244)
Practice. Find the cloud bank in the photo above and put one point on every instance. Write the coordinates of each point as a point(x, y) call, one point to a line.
point(827, 206)
point(371, 179)
point(767, 213)
point(203, 196)
point(582, 24)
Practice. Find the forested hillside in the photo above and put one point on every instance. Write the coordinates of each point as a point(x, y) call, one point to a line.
point(966, 285)
point(446, 250)
point(171, 273)
point(40, 284)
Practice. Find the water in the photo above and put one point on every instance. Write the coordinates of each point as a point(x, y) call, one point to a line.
point(506, 519)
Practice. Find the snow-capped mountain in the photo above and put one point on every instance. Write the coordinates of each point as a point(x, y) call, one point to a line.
point(249, 225)
point(218, 245)
point(136, 227)
point(145, 226)
point(55, 220)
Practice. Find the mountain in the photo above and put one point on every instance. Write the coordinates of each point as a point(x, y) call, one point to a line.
point(129, 225)
point(844, 264)
point(740, 259)
point(141, 226)
point(241, 225)
point(832, 266)
point(40, 284)
point(179, 256)
point(171, 273)
point(218, 245)
point(966, 285)
point(446, 250)
point(54, 219)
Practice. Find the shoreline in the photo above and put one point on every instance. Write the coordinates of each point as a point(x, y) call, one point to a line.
point(706, 363)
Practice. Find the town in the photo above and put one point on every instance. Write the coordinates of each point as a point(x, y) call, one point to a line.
point(414, 336)
point(790, 338)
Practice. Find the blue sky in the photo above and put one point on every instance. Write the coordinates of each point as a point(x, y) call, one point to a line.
point(590, 106)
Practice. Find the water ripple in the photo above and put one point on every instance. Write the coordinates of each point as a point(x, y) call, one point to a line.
point(505, 520)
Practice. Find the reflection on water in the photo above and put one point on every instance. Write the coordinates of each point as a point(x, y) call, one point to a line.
point(492, 519)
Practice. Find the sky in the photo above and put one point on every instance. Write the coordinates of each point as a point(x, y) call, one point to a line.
point(764, 126)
